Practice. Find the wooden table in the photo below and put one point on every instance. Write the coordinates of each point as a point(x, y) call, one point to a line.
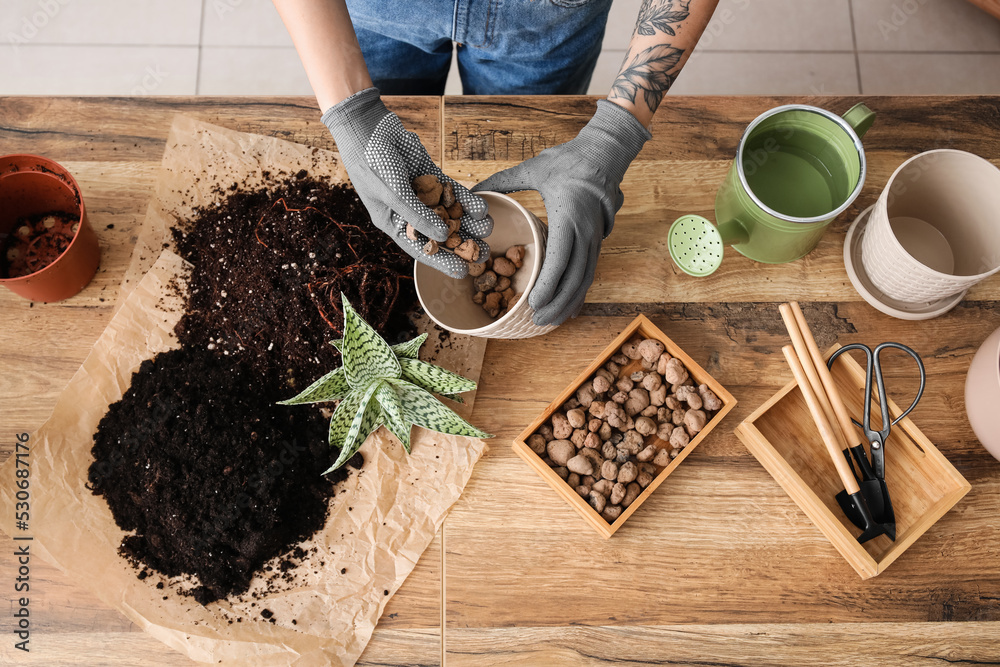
point(719, 566)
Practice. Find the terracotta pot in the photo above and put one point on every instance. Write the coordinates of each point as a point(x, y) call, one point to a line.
point(32, 185)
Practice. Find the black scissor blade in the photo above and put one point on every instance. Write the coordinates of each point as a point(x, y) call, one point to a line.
point(876, 495)
point(884, 515)
point(861, 457)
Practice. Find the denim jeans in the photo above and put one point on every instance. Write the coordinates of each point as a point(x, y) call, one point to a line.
point(504, 47)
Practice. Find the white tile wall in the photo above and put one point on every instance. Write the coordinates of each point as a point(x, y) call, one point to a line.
point(105, 22)
point(930, 73)
point(621, 20)
point(828, 47)
point(251, 70)
point(924, 25)
point(741, 73)
point(99, 70)
point(243, 23)
point(232, 47)
point(780, 25)
point(454, 85)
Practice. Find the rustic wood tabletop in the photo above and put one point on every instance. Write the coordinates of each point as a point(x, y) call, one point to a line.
point(719, 566)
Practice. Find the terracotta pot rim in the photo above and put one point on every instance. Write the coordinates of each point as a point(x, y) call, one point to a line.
point(60, 174)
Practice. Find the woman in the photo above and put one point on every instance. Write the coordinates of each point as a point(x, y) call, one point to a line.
point(354, 54)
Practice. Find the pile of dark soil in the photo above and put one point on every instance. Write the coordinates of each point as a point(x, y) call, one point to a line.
point(213, 480)
point(269, 268)
point(212, 476)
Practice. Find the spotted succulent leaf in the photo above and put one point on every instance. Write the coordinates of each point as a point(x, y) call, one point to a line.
point(392, 411)
point(374, 417)
point(331, 387)
point(343, 416)
point(367, 357)
point(402, 432)
point(364, 416)
point(382, 385)
point(389, 402)
point(410, 348)
point(421, 408)
point(434, 378)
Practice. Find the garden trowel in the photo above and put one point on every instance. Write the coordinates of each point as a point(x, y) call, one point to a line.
point(874, 491)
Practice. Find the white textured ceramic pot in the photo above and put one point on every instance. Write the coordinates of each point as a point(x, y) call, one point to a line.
point(982, 394)
point(934, 232)
point(448, 301)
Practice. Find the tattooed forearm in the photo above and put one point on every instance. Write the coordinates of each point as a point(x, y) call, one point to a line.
point(665, 32)
point(651, 71)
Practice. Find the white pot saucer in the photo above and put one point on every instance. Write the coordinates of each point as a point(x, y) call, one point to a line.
point(871, 294)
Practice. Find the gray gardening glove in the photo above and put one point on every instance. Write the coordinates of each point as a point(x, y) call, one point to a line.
point(579, 183)
point(382, 159)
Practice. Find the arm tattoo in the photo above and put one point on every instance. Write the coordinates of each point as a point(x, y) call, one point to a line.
point(649, 71)
point(653, 69)
point(657, 15)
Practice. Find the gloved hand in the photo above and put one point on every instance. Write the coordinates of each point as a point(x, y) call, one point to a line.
point(382, 159)
point(579, 183)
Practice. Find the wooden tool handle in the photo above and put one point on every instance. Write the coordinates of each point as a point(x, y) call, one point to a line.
point(852, 437)
point(810, 366)
point(822, 423)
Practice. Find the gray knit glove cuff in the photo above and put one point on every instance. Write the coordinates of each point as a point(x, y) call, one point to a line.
point(579, 183)
point(612, 139)
point(382, 159)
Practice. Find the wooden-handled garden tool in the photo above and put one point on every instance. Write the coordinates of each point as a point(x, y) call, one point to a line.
point(856, 510)
point(874, 490)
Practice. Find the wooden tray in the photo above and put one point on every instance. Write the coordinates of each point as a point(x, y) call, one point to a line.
point(646, 329)
point(922, 484)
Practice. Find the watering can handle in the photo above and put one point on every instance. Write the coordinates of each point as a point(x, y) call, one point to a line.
point(860, 118)
point(733, 232)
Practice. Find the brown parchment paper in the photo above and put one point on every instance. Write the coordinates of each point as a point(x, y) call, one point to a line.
point(200, 158)
point(397, 501)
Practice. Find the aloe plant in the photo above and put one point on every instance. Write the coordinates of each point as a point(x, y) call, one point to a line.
point(378, 385)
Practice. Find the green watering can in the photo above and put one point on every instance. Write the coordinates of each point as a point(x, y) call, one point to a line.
point(796, 169)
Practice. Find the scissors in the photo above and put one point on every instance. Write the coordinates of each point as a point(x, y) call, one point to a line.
point(872, 478)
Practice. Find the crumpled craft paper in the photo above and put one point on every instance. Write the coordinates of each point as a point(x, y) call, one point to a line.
point(397, 501)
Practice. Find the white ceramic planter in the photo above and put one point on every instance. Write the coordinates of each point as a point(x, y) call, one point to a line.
point(448, 301)
point(935, 230)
